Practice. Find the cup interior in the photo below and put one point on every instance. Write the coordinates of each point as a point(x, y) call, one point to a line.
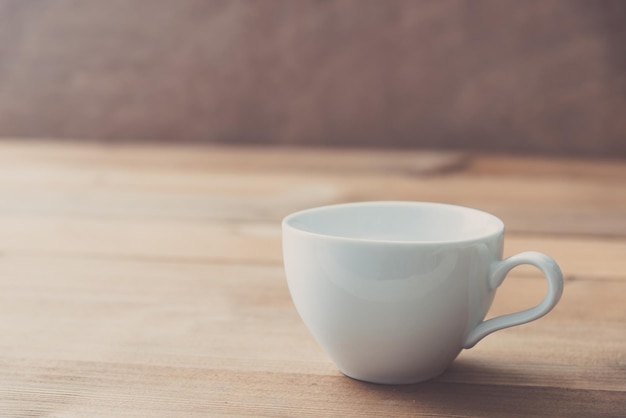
point(396, 222)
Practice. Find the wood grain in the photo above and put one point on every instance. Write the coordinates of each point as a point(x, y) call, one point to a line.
point(234, 317)
point(198, 184)
point(158, 390)
point(248, 242)
point(147, 281)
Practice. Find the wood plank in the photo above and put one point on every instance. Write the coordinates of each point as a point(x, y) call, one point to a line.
point(240, 159)
point(538, 167)
point(113, 389)
point(251, 242)
point(462, 188)
point(557, 205)
point(147, 281)
point(25, 154)
point(47, 164)
point(240, 318)
point(586, 197)
point(583, 299)
point(17, 153)
point(573, 220)
point(156, 239)
point(578, 257)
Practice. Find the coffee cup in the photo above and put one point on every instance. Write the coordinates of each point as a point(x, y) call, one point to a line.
point(394, 291)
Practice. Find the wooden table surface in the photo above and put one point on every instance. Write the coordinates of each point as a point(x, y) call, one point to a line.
point(143, 280)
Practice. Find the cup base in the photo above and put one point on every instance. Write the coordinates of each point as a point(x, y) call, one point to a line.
point(404, 380)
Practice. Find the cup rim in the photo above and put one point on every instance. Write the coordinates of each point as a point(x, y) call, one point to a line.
point(499, 230)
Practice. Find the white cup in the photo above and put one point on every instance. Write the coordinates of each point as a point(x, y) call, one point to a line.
point(393, 291)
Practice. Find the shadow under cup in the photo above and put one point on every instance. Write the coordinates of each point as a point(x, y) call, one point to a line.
point(393, 291)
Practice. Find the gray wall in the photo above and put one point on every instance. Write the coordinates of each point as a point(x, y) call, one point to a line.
point(531, 76)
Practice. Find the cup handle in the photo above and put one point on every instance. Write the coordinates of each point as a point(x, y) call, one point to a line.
point(498, 272)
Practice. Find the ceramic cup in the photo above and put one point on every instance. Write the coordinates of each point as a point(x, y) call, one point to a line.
point(393, 291)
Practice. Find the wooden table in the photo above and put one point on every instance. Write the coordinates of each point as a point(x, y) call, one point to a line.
point(146, 281)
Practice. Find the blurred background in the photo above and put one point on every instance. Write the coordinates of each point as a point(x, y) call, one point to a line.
point(534, 77)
